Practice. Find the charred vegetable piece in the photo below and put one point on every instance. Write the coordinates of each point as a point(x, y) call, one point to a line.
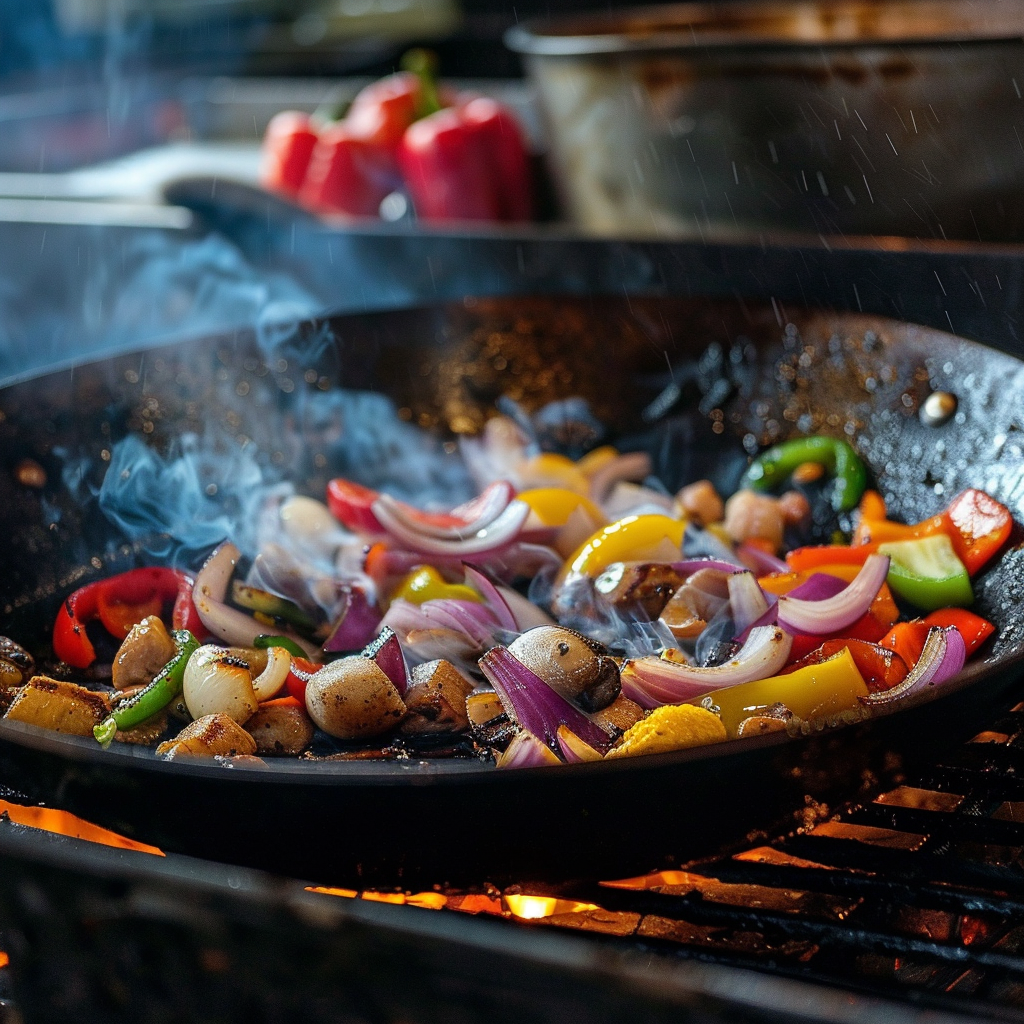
point(773, 467)
point(145, 651)
point(16, 664)
point(488, 722)
point(644, 587)
point(571, 664)
point(262, 601)
point(437, 699)
point(210, 736)
point(353, 699)
point(696, 602)
point(156, 696)
point(59, 706)
point(281, 727)
point(620, 715)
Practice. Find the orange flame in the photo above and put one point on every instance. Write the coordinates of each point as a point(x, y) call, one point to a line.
point(65, 824)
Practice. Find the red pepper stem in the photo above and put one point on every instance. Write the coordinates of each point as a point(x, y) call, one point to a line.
point(423, 64)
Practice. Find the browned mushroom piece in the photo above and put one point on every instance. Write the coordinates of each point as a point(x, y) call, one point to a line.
point(489, 723)
point(620, 714)
point(696, 602)
point(642, 588)
point(146, 649)
point(353, 699)
point(59, 706)
point(578, 668)
point(16, 664)
point(280, 729)
point(437, 699)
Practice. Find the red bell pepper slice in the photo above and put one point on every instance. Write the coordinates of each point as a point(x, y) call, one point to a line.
point(978, 526)
point(881, 668)
point(287, 147)
point(973, 628)
point(907, 640)
point(113, 601)
point(821, 555)
point(298, 677)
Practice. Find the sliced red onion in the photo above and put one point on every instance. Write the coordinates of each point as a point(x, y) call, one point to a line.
point(356, 625)
point(746, 599)
point(226, 623)
point(669, 682)
point(942, 657)
point(819, 586)
point(491, 593)
point(526, 751)
point(387, 652)
point(470, 518)
point(528, 700)
point(760, 561)
point(527, 614)
point(574, 750)
point(499, 532)
point(801, 615)
point(474, 619)
point(634, 466)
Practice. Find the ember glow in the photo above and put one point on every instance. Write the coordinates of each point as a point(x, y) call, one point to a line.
point(63, 823)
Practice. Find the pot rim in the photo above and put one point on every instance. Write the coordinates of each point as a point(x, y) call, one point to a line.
point(769, 25)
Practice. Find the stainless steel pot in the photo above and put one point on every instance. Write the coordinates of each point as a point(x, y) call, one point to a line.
point(837, 117)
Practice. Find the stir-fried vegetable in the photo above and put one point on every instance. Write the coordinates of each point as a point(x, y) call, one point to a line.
point(610, 618)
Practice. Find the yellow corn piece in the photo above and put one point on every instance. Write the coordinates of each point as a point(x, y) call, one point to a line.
point(649, 538)
point(672, 727)
point(816, 691)
point(426, 584)
point(553, 505)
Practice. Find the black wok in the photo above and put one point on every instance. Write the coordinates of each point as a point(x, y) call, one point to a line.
point(771, 374)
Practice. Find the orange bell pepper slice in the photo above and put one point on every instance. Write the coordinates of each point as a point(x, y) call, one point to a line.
point(907, 640)
point(978, 525)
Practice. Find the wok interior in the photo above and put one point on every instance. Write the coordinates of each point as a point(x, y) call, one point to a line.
point(742, 376)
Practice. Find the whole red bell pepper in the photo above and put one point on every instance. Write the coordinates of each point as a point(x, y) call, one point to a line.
point(287, 147)
point(118, 603)
point(468, 162)
point(355, 162)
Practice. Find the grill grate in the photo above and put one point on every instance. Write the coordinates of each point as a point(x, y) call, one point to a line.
point(918, 895)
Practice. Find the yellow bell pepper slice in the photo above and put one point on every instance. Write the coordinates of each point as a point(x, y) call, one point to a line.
point(816, 691)
point(647, 538)
point(553, 505)
point(552, 470)
point(594, 460)
point(427, 584)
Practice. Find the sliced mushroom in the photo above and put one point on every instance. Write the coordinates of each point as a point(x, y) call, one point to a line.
point(696, 602)
point(437, 699)
point(353, 699)
point(146, 649)
point(639, 587)
point(572, 664)
point(280, 729)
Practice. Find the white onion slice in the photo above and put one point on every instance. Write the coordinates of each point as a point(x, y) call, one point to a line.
point(229, 624)
point(835, 613)
point(501, 530)
point(746, 599)
point(476, 514)
point(669, 682)
point(269, 683)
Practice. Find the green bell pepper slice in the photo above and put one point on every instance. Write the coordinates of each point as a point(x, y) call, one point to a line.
point(927, 573)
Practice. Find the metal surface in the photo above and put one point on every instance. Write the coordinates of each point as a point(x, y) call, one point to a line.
point(839, 117)
point(445, 364)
